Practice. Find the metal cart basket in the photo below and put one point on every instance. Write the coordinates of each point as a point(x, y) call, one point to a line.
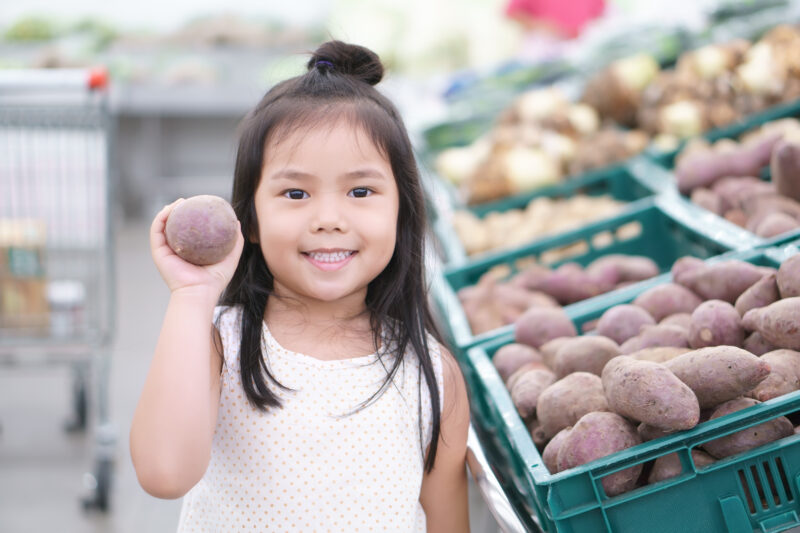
point(56, 261)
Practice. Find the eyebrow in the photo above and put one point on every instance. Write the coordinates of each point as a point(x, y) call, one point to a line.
point(297, 175)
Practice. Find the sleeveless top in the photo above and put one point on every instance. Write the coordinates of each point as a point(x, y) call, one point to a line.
point(316, 464)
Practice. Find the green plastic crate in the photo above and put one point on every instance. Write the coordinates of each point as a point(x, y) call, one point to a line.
point(711, 499)
point(669, 229)
point(618, 182)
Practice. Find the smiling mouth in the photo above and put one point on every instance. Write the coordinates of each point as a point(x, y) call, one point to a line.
point(330, 257)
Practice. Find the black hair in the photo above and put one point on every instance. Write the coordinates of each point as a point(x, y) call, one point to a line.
point(339, 84)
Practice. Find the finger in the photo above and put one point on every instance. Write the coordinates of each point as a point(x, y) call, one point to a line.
point(157, 237)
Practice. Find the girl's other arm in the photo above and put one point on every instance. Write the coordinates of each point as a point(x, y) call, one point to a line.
point(444, 489)
point(174, 422)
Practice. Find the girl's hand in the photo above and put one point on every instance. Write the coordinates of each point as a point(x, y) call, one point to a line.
point(180, 274)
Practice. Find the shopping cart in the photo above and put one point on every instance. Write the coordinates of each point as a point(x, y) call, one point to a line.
point(56, 260)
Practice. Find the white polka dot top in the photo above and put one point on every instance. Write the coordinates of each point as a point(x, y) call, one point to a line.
point(311, 466)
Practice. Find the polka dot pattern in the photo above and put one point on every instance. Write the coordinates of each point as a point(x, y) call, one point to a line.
point(317, 464)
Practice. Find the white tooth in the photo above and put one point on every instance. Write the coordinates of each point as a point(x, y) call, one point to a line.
point(330, 257)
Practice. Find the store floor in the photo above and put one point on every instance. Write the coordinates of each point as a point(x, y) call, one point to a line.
point(42, 467)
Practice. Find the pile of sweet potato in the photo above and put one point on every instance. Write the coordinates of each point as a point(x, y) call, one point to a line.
point(721, 337)
point(495, 302)
point(710, 87)
point(539, 140)
point(542, 216)
point(724, 178)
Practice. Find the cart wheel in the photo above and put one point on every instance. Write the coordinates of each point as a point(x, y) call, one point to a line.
point(98, 486)
point(79, 405)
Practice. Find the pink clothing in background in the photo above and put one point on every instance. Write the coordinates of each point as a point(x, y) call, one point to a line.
point(569, 16)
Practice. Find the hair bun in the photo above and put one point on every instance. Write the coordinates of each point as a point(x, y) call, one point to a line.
point(350, 59)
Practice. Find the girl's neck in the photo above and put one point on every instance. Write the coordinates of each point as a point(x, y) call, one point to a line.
point(316, 317)
point(324, 330)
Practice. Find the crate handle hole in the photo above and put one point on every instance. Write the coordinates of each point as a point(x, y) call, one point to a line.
point(748, 496)
point(771, 481)
point(785, 482)
point(762, 497)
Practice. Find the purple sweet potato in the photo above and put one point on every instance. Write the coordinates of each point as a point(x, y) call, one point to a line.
point(725, 280)
point(748, 438)
point(785, 167)
point(715, 323)
point(650, 393)
point(521, 370)
point(756, 344)
point(784, 376)
point(656, 336)
point(613, 269)
point(734, 190)
point(585, 354)
point(569, 283)
point(788, 277)
point(622, 322)
point(550, 349)
point(478, 304)
point(658, 354)
point(707, 199)
point(527, 388)
point(511, 357)
point(550, 454)
point(669, 466)
point(537, 435)
point(758, 206)
point(718, 374)
point(736, 216)
point(760, 294)
point(597, 435)
point(778, 323)
point(668, 299)
point(531, 277)
point(702, 169)
point(202, 229)
point(773, 224)
point(683, 320)
point(648, 432)
point(684, 265)
point(564, 402)
point(538, 325)
point(511, 301)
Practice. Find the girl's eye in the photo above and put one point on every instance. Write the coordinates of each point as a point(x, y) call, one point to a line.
point(361, 192)
point(295, 194)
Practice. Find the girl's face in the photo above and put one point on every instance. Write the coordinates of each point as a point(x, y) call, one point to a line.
point(327, 206)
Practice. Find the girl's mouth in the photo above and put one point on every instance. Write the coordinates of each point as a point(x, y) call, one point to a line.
point(329, 261)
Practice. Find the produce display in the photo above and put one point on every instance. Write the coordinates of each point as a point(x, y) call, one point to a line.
point(725, 177)
point(710, 87)
point(543, 216)
point(594, 367)
point(539, 140)
point(675, 357)
point(537, 291)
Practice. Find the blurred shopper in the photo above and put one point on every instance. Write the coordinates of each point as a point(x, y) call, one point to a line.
point(550, 24)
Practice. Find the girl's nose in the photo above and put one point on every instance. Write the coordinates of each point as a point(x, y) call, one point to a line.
point(329, 216)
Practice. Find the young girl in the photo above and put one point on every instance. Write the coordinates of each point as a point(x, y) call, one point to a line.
point(317, 396)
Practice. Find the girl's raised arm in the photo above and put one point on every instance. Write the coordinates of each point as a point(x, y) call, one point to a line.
point(444, 489)
point(174, 422)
